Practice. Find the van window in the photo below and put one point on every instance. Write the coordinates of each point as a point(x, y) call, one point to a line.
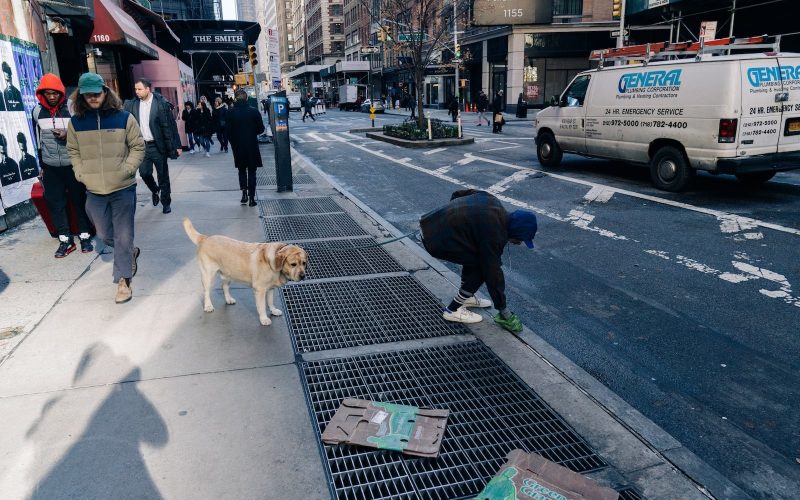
point(576, 93)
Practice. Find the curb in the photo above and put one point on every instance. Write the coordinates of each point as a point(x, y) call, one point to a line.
point(707, 479)
point(419, 144)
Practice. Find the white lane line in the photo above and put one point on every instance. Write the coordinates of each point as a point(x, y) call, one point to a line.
point(498, 149)
point(432, 151)
point(598, 195)
point(504, 184)
point(298, 138)
point(465, 161)
point(655, 199)
point(354, 136)
point(317, 138)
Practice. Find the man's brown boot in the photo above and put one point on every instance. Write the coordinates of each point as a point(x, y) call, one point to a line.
point(124, 292)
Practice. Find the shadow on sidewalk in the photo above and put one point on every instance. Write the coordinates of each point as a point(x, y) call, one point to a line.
point(106, 461)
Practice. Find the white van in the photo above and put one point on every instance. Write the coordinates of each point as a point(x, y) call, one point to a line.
point(727, 114)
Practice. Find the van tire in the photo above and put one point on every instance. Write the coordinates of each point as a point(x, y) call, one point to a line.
point(755, 178)
point(548, 151)
point(669, 169)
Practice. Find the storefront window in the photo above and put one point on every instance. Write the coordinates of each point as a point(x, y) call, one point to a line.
point(533, 82)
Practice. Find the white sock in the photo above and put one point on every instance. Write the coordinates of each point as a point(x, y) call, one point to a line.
point(85, 236)
point(63, 238)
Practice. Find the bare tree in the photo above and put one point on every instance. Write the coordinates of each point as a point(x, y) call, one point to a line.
point(418, 30)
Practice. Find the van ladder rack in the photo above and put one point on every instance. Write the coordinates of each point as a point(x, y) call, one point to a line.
point(662, 50)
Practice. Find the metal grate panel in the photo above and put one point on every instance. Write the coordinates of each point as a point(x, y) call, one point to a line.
point(629, 494)
point(265, 179)
point(354, 257)
point(338, 314)
point(298, 206)
point(310, 227)
point(470, 381)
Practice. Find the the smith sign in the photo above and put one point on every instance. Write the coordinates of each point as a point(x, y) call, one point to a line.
point(214, 41)
point(502, 12)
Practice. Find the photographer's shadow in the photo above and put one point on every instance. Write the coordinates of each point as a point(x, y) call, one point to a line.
point(106, 461)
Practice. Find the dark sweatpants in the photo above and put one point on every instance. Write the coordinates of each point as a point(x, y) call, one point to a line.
point(112, 215)
point(60, 185)
point(472, 278)
point(247, 180)
point(153, 157)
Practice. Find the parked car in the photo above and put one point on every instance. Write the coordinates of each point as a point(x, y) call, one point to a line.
point(379, 107)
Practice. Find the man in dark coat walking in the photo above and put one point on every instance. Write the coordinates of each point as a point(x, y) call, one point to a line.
point(472, 230)
point(243, 126)
point(497, 113)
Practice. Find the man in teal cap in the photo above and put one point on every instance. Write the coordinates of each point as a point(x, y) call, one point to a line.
point(472, 230)
point(106, 148)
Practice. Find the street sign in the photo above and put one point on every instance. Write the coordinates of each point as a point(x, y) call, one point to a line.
point(456, 61)
point(411, 37)
point(615, 34)
point(371, 49)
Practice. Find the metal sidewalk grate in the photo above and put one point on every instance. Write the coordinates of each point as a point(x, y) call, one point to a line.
point(338, 314)
point(336, 258)
point(491, 412)
point(265, 179)
point(310, 227)
point(629, 494)
point(298, 206)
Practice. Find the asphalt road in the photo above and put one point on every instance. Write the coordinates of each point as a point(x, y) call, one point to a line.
point(686, 305)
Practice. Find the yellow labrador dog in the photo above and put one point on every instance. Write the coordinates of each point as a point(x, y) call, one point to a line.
point(263, 266)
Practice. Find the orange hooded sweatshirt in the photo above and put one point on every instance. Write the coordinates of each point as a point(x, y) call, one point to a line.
point(51, 82)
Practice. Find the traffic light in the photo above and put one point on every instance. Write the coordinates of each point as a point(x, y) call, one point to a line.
point(381, 34)
point(616, 10)
point(252, 55)
point(385, 34)
point(458, 51)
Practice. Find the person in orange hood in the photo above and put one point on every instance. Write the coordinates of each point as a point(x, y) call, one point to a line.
point(50, 119)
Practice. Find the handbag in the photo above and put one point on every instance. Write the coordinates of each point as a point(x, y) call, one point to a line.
point(498, 118)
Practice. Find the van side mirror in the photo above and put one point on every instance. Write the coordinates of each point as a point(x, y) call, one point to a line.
point(554, 101)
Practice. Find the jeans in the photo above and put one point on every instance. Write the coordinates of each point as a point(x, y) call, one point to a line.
point(112, 216)
point(153, 157)
point(204, 142)
point(190, 138)
point(60, 185)
point(223, 139)
point(247, 180)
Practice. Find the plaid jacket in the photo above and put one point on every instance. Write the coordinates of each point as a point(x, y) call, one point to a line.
point(471, 230)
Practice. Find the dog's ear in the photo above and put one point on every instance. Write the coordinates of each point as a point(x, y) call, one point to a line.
point(280, 258)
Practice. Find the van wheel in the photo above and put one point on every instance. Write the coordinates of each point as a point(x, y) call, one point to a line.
point(547, 150)
point(755, 178)
point(669, 170)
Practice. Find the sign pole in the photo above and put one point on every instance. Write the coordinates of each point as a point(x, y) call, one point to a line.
point(455, 55)
point(621, 37)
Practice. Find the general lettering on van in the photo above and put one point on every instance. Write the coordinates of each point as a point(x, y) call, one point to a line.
point(649, 80)
point(764, 74)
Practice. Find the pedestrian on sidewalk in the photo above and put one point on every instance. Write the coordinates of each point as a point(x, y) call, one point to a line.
point(153, 113)
point(452, 108)
point(106, 149)
point(308, 105)
point(482, 105)
point(50, 119)
point(472, 230)
point(497, 113)
point(244, 125)
point(220, 116)
point(412, 104)
point(189, 117)
point(204, 126)
point(265, 105)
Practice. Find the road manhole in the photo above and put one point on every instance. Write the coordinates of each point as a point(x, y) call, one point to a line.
point(351, 257)
point(309, 227)
point(491, 413)
point(339, 314)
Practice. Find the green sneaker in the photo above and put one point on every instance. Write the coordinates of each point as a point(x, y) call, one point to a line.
point(513, 324)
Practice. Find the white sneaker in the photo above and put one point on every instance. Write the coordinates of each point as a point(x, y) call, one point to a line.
point(208, 155)
point(462, 315)
point(476, 302)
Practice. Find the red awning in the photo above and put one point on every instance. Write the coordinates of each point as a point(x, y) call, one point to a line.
point(113, 26)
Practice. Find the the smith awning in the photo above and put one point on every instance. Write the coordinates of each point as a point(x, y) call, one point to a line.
point(113, 26)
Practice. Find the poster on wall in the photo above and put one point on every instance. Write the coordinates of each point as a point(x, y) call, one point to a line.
point(20, 72)
point(274, 58)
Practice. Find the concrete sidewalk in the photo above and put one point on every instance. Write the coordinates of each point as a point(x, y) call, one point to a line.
point(157, 399)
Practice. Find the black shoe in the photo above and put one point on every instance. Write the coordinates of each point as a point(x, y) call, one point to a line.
point(65, 248)
point(243, 201)
point(166, 209)
point(252, 202)
point(86, 245)
point(135, 267)
point(156, 199)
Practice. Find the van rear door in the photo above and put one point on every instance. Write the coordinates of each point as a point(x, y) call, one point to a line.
point(789, 126)
point(761, 107)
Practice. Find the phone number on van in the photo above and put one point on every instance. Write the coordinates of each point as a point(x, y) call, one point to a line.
point(637, 123)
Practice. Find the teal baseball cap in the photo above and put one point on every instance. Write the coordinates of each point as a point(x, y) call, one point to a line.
point(90, 83)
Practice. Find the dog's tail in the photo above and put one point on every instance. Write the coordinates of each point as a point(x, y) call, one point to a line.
point(192, 232)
